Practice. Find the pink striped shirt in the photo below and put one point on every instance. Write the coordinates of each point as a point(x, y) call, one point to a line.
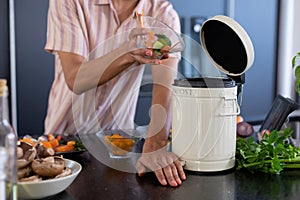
point(81, 27)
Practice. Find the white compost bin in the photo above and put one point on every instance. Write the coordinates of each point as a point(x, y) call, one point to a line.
point(205, 108)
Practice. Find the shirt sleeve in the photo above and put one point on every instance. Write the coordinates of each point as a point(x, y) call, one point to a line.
point(66, 28)
point(168, 15)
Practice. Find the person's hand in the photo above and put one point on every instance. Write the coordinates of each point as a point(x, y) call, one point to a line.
point(164, 164)
point(142, 55)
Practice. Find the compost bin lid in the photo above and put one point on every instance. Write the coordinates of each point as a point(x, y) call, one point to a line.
point(205, 82)
point(227, 45)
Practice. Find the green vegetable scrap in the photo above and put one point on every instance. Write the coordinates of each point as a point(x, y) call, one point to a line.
point(161, 42)
point(79, 145)
point(158, 45)
point(162, 38)
point(271, 155)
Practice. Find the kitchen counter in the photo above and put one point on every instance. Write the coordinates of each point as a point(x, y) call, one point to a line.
point(97, 181)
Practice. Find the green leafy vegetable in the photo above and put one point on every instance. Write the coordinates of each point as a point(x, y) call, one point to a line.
point(297, 71)
point(271, 155)
point(79, 145)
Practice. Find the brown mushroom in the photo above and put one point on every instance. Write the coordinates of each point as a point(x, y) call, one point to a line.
point(24, 172)
point(25, 146)
point(20, 152)
point(29, 153)
point(43, 152)
point(34, 178)
point(49, 166)
point(65, 172)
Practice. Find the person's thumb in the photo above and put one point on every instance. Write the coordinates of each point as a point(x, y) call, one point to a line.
point(141, 169)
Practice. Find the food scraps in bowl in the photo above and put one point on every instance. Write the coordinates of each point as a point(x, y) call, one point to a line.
point(35, 163)
point(160, 38)
point(49, 186)
point(58, 143)
point(118, 143)
point(160, 44)
point(40, 172)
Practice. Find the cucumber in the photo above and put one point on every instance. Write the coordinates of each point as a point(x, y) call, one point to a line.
point(162, 38)
point(157, 45)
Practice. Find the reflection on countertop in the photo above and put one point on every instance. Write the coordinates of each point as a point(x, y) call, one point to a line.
point(97, 181)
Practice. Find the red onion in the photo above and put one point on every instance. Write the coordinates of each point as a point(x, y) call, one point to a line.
point(244, 129)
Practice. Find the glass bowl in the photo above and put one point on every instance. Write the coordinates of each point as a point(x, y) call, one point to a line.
point(160, 38)
point(119, 143)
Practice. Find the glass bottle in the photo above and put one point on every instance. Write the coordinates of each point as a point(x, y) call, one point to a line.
point(6, 105)
point(8, 140)
point(3, 160)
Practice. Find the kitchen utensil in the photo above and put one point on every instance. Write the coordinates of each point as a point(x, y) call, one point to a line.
point(278, 113)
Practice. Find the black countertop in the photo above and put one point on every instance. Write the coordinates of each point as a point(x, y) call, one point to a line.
point(98, 181)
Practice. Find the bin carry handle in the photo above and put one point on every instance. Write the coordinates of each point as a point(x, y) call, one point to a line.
point(232, 113)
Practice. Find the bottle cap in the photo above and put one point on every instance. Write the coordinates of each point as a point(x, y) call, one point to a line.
point(2, 82)
point(3, 86)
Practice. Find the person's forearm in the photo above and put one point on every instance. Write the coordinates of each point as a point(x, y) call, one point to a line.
point(161, 115)
point(161, 110)
point(100, 70)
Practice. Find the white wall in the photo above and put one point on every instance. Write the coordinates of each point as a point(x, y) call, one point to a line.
point(296, 36)
point(288, 45)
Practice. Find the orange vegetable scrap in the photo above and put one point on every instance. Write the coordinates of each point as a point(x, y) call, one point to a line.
point(64, 148)
point(51, 137)
point(54, 143)
point(28, 140)
point(47, 145)
point(119, 145)
point(139, 17)
point(71, 143)
point(58, 137)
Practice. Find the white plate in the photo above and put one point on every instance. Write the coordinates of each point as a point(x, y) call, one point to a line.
point(42, 189)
